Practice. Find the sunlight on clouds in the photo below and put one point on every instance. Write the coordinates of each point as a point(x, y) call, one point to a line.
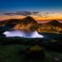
point(4, 17)
point(39, 16)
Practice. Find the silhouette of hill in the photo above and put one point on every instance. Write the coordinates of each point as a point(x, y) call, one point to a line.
point(55, 23)
point(12, 21)
point(28, 19)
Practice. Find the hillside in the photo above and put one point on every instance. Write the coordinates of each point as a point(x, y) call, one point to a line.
point(53, 26)
point(30, 24)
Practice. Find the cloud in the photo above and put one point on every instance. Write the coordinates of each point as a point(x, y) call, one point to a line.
point(23, 13)
point(30, 13)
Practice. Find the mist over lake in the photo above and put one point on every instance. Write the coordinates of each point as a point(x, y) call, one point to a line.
point(25, 34)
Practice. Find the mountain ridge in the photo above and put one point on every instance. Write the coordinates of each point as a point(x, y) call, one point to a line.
point(28, 23)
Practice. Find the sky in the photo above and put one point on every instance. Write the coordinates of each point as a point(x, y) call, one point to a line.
point(44, 9)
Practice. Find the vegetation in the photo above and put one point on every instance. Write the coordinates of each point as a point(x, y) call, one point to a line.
point(15, 49)
point(11, 53)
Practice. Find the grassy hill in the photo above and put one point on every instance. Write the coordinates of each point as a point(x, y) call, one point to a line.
point(11, 53)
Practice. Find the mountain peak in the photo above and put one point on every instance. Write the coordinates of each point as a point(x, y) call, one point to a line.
point(54, 22)
point(29, 19)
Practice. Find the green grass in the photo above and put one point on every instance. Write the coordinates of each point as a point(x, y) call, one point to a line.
point(10, 53)
point(50, 55)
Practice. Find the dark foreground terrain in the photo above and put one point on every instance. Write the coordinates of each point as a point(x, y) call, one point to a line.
point(11, 49)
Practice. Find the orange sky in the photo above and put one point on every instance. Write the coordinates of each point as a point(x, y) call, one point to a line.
point(36, 17)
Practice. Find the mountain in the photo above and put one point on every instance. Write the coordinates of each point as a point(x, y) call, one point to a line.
point(24, 23)
point(12, 21)
point(28, 19)
point(54, 23)
point(28, 24)
point(53, 27)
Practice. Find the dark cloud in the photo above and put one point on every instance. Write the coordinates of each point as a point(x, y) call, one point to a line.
point(23, 13)
point(9, 14)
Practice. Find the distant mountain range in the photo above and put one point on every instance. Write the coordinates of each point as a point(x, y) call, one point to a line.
point(30, 24)
point(55, 23)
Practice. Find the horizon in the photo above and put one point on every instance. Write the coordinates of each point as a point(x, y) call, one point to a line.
point(38, 9)
point(38, 21)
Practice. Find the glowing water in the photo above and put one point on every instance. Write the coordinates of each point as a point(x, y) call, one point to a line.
point(24, 34)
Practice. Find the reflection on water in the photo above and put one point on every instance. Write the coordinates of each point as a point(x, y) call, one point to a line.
point(24, 34)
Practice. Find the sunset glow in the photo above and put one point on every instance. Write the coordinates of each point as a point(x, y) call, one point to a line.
point(40, 17)
point(42, 10)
